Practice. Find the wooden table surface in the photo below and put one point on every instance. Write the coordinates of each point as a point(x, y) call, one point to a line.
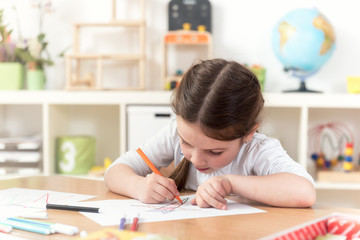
point(245, 226)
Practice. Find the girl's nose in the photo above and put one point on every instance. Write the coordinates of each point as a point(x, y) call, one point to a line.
point(197, 158)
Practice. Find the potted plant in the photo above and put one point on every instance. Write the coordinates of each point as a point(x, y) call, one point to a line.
point(11, 67)
point(33, 55)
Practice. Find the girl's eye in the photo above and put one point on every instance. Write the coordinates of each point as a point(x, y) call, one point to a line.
point(216, 153)
point(183, 143)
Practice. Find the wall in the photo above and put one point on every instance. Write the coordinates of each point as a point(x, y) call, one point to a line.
point(241, 31)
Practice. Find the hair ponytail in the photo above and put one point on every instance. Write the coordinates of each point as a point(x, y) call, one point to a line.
point(180, 173)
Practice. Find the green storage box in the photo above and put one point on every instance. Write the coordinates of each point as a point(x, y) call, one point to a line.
point(75, 154)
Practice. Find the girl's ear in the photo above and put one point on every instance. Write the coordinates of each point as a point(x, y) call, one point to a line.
point(250, 135)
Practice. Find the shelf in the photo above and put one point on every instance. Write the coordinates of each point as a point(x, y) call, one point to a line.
point(339, 186)
point(103, 114)
point(124, 57)
point(187, 37)
point(117, 23)
point(196, 43)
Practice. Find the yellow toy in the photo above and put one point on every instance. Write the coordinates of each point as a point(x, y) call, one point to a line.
point(348, 164)
point(100, 170)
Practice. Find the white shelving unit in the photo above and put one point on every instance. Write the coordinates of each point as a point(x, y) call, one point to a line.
point(104, 115)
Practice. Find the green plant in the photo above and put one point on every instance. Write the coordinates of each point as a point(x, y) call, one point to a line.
point(34, 51)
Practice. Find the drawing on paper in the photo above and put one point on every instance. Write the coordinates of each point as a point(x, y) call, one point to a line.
point(23, 197)
point(168, 208)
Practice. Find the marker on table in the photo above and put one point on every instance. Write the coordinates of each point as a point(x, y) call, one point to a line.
point(122, 222)
point(27, 227)
point(73, 208)
point(134, 224)
point(5, 228)
point(152, 167)
point(54, 227)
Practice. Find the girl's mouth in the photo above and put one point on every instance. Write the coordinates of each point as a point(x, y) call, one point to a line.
point(202, 169)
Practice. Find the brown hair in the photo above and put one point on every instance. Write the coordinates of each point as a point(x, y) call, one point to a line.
point(224, 97)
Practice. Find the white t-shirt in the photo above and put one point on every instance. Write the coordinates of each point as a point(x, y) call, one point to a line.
point(260, 156)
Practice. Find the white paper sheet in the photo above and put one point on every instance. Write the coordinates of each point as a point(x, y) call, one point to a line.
point(115, 209)
point(16, 201)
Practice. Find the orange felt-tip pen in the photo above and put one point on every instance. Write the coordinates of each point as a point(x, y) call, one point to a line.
point(152, 167)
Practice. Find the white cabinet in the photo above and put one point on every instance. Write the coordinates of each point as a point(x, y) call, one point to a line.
point(145, 121)
point(120, 120)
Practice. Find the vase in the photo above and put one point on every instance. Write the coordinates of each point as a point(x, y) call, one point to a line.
point(35, 79)
point(11, 76)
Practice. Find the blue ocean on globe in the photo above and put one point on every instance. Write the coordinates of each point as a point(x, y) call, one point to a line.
point(303, 40)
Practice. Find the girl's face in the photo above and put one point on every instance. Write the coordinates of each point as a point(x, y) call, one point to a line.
point(206, 154)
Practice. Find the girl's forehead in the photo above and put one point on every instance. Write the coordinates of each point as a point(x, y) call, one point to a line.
point(192, 134)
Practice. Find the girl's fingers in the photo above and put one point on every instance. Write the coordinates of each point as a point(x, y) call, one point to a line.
point(213, 194)
point(207, 196)
point(164, 187)
point(215, 201)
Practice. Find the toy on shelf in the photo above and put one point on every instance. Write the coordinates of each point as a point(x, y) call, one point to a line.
point(330, 144)
point(353, 84)
point(100, 170)
point(189, 25)
point(260, 73)
point(183, 37)
point(196, 13)
point(94, 81)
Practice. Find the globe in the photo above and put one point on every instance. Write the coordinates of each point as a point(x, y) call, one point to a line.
point(303, 40)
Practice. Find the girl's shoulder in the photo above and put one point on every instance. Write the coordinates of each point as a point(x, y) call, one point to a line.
point(262, 141)
point(262, 138)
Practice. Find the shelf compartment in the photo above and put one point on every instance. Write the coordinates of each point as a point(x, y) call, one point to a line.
point(99, 121)
point(349, 116)
point(283, 123)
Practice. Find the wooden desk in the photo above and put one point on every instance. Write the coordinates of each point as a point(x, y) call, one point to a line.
point(246, 226)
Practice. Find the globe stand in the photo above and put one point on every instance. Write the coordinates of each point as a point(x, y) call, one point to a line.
point(302, 87)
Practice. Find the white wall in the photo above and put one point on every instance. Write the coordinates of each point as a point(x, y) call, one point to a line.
point(241, 31)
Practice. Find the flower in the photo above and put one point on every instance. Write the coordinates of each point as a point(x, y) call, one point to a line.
point(7, 48)
point(34, 51)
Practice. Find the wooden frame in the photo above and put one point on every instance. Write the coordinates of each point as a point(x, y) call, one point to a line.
point(91, 82)
point(183, 37)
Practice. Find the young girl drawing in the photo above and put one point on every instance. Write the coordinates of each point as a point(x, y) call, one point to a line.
point(215, 146)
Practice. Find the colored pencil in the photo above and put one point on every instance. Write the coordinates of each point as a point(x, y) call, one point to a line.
point(152, 167)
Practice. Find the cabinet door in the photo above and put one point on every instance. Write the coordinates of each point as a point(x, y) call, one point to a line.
point(145, 121)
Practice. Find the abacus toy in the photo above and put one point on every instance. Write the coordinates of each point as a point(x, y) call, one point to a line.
point(330, 144)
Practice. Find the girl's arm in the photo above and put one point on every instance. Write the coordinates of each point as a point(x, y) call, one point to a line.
point(127, 175)
point(122, 179)
point(280, 189)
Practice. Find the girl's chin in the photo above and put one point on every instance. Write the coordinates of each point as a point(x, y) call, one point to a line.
point(205, 170)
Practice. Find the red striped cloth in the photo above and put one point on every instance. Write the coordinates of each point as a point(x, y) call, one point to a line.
point(341, 225)
point(309, 232)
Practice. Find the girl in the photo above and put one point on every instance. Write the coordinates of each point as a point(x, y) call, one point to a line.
point(215, 146)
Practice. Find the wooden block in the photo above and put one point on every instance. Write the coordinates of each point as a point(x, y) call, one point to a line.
point(332, 176)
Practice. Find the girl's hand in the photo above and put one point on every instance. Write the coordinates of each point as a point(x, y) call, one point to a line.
point(212, 193)
point(156, 189)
